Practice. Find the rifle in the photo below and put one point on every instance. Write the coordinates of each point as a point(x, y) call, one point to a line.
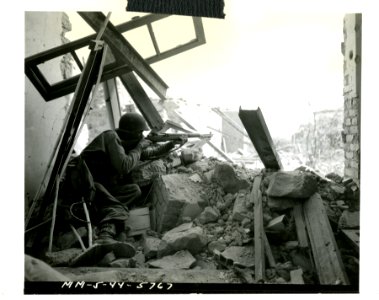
point(176, 138)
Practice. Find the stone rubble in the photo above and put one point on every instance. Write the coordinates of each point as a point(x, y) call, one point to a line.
point(218, 232)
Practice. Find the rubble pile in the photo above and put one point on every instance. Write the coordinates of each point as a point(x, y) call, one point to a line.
point(217, 231)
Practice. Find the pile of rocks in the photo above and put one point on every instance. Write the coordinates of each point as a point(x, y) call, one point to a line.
point(221, 234)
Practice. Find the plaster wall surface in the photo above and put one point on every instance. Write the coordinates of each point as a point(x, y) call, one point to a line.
point(43, 120)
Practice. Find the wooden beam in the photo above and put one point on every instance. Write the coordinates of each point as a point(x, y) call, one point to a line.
point(78, 109)
point(259, 249)
point(259, 134)
point(142, 100)
point(301, 230)
point(112, 102)
point(125, 53)
point(326, 254)
point(270, 257)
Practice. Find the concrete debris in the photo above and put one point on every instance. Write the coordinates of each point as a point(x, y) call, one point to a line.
point(151, 246)
point(294, 184)
point(195, 178)
point(180, 260)
point(202, 219)
point(148, 171)
point(216, 245)
point(240, 256)
point(209, 215)
point(191, 239)
point(38, 270)
point(349, 219)
point(189, 156)
point(200, 166)
point(225, 175)
point(277, 224)
point(297, 276)
point(174, 197)
point(240, 211)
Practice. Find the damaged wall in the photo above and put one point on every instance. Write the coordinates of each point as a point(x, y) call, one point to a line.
point(43, 120)
point(351, 49)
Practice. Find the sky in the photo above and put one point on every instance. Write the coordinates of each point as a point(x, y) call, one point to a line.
point(286, 61)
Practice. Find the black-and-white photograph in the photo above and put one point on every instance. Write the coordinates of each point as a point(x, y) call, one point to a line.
point(178, 151)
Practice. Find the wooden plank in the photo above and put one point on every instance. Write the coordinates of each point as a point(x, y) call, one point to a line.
point(142, 100)
point(301, 230)
point(259, 249)
point(77, 110)
point(139, 221)
point(259, 134)
point(270, 257)
point(125, 53)
point(325, 251)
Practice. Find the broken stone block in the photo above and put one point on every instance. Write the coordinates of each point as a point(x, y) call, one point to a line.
point(277, 224)
point(151, 246)
point(200, 166)
point(139, 259)
point(209, 215)
point(146, 173)
point(63, 257)
point(189, 156)
point(239, 209)
point(216, 245)
point(38, 270)
point(292, 184)
point(241, 256)
point(204, 264)
point(283, 274)
point(349, 219)
point(175, 197)
point(68, 239)
point(297, 276)
point(183, 237)
point(195, 178)
point(225, 175)
point(208, 176)
point(180, 260)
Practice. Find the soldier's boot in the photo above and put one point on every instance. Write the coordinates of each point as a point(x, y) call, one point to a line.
point(107, 234)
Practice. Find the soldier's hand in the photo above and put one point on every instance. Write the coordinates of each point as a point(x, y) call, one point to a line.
point(181, 141)
point(144, 143)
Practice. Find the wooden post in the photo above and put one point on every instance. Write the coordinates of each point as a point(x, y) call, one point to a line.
point(328, 262)
point(258, 230)
point(300, 226)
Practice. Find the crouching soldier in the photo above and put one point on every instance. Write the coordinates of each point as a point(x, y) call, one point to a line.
point(110, 158)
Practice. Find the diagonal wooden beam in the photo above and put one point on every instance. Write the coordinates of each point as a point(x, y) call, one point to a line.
point(259, 134)
point(125, 53)
point(142, 100)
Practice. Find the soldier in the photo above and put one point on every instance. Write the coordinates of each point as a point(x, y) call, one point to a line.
point(110, 157)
